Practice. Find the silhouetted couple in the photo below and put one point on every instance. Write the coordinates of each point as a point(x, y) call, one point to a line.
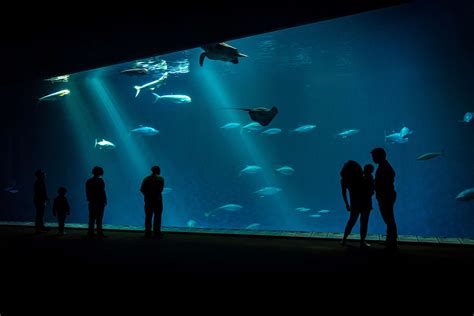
point(361, 187)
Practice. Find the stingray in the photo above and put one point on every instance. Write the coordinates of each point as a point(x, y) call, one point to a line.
point(263, 116)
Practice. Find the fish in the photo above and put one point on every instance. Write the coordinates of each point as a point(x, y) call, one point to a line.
point(302, 209)
point(324, 211)
point(145, 130)
point(467, 117)
point(231, 125)
point(166, 190)
point(304, 129)
point(135, 72)
point(151, 85)
point(191, 223)
point(261, 115)
point(405, 131)
point(63, 78)
point(55, 96)
point(315, 215)
point(396, 138)
point(226, 207)
point(272, 131)
point(267, 191)
point(12, 189)
point(254, 126)
point(175, 98)
point(466, 195)
point(253, 226)
point(104, 144)
point(429, 156)
point(347, 133)
point(250, 170)
point(286, 170)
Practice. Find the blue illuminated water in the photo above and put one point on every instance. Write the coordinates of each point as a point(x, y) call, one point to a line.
point(375, 72)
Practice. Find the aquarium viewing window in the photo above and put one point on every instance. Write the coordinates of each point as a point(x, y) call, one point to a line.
point(251, 134)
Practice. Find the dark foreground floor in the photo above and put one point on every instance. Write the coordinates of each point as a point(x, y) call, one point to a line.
point(47, 268)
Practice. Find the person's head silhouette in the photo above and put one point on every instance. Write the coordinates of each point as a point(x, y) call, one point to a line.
point(40, 174)
point(351, 171)
point(156, 170)
point(62, 191)
point(97, 171)
point(369, 168)
point(378, 155)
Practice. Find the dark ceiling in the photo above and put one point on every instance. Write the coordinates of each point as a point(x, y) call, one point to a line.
point(80, 37)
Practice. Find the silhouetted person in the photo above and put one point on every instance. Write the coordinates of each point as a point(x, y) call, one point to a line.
point(95, 192)
point(40, 197)
point(61, 209)
point(352, 181)
point(151, 187)
point(368, 192)
point(385, 194)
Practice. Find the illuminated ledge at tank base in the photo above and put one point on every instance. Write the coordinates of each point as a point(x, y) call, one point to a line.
point(296, 234)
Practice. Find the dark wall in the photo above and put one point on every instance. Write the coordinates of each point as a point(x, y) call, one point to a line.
point(56, 39)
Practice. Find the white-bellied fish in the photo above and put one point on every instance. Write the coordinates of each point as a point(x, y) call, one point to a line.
point(405, 131)
point(267, 191)
point(151, 85)
point(429, 156)
point(324, 211)
point(315, 215)
point(302, 209)
point(55, 96)
point(254, 126)
point(104, 144)
point(253, 226)
point(396, 138)
point(63, 78)
point(12, 189)
point(347, 133)
point(231, 125)
point(304, 129)
point(191, 223)
point(466, 195)
point(250, 170)
point(467, 117)
point(226, 207)
point(166, 190)
point(272, 131)
point(175, 98)
point(135, 72)
point(400, 137)
point(285, 170)
point(145, 131)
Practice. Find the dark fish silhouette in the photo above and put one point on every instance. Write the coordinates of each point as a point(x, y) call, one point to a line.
point(263, 116)
point(220, 51)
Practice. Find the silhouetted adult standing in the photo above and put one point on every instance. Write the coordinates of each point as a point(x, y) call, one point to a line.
point(95, 192)
point(40, 197)
point(352, 181)
point(152, 187)
point(385, 194)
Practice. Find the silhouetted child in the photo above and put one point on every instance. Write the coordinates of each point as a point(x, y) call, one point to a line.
point(61, 209)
